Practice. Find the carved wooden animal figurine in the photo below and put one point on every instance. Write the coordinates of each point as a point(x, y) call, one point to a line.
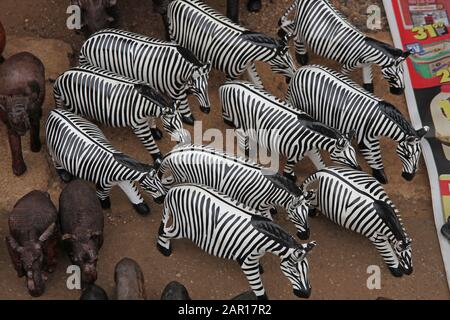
point(233, 8)
point(166, 66)
point(228, 46)
point(345, 106)
point(259, 116)
point(2, 41)
point(33, 239)
point(22, 93)
point(93, 292)
point(356, 201)
point(241, 179)
point(227, 229)
point(95, 14)
point(320, 27)
point(79, 149)
point(129, 280)
point(175, 291)
point(118, 102)
point(81, 219)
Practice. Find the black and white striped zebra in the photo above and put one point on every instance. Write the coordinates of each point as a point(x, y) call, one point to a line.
point(167, 67)
point(338, 102)
point(320, 27)
point(227, 229)
point(241, 179)
point(229, 47)
point(279, 128)
point(356, 201)
point(78, 148)
point(118, 102)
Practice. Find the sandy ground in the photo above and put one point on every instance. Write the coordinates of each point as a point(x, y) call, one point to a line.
point(338, 266)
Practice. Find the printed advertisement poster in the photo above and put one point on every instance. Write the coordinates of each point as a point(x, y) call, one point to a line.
point(423, 27)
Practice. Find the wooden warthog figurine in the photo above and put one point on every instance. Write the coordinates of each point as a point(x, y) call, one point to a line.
point(82, 227)
point(95, 14)
point(93, 292)
point(129, 280)
point(22, 93)
point(33, 238)
point(175, 291)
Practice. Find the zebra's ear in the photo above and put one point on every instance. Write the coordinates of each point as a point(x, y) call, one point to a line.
point(309, 246)
point(351, 135)
point(341, 142)
point(422, 132)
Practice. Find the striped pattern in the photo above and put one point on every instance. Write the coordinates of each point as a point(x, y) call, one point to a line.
point(338, 102)
point(80, 148)
point(278, 127)
point(240, 179)
point(320, 27)
point(356, 201)
point(165, 66)
point(227, 229)
point(118, 102)
point(228, 46)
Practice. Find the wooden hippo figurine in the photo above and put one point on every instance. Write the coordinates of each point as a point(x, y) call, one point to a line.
point(33, 239)
point(82, 227)
point(22, 93)
point(93, 292)
point(2, 41)
point(129, 280)
point(175, 291)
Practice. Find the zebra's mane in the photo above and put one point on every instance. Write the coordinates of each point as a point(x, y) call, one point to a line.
point(153, 95)
point(390, 51)
point(284, 183)
point(319, 127)
point(260, 39)
point(131, 163)
point(273, 231)
point(134, 36)
point(189, 56)
point(396, 116)
point(390, 218)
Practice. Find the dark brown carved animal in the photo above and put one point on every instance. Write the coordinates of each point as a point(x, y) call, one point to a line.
point(81, 227)
point(22, 93)
point(2, 41)
point(93, 292)
point(95, 14)
point(129, 280)
point(175, 291)
point(33, 239)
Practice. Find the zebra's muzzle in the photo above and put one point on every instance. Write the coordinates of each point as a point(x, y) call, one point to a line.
point(408, 176)
point(159, 200)
point(303, 235)
point(206, 110)
point(305, 293)
point(396, 91)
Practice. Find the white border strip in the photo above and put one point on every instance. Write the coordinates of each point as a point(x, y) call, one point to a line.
point(427, 152)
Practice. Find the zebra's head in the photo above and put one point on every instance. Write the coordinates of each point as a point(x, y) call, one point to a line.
point(153, 185)
point(282, 61)
point(343, 152)
point(297, 211)
point(198, 86)
point(171, 119)
point(394, 73)
point(295, 267)
point(403, 251)
point(409, 151)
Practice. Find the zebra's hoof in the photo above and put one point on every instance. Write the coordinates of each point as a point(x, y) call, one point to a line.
point(156, 133)
point(312, 212)
point(380, 175)
point(273, 211)
point(303, 59)
point(396, 91)
point(291, 177)
point(189, 120)
point(263, 297)
point(142, 209)
point(206, 110)
point(445, 230)
point(368, 87)
point(303, 235)
point(165, 251)
point(64, 175)
point(396, 272)
point(254, 5)
point(105, 203)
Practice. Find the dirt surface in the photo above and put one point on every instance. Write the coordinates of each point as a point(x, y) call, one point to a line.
point(338, 266)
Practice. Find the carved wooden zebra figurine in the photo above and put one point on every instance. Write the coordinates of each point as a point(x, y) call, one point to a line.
point(167, 67)
point(227, 229)
point(356, 201)
point(278, 127)
point(338, 102)
point(78, 148)
point(229, 47)
point(320, 27)
point(241, 179)
point(118, 102)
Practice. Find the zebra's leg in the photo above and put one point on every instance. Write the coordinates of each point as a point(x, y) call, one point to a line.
point(64, 175)
point(387, 253)
point(372, 154)
point(301, 53)
point(164, 235)
point(316, 158)
point(254, 76)
point(144, 134)
point(135, 197)
point(368, 78)
point(288, 171)
point(103, 195)
point(251, 269)
point(186, 115)
point(156, 133)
